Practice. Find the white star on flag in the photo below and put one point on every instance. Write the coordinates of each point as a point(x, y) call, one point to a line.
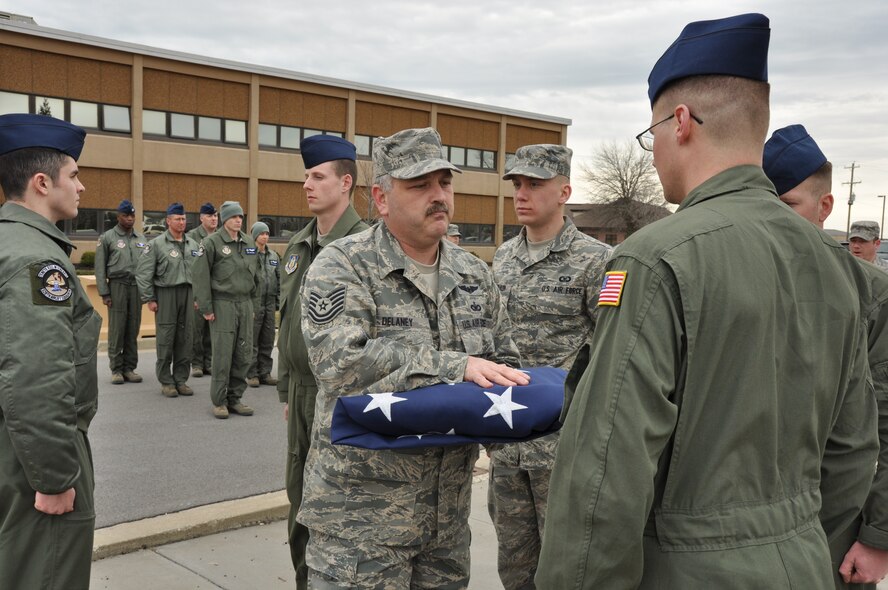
point(383, 401)
point(503, 405)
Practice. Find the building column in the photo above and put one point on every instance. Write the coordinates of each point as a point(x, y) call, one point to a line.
point(253, 139)
point(137, 184)
point(501, 169)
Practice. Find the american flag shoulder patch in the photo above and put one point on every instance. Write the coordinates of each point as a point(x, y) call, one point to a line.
point(323, 308)
point(612, 288)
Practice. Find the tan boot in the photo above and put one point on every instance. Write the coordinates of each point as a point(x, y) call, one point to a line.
point(268, 380)
point(132, 377)
point(241, 409)
point(117, 379)
point(253, 381)
point(169, 391)
point(184, 389)
point(220, 412)
point(197, 372)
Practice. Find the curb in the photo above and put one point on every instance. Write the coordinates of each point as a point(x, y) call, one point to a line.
point(207, 520)
point(189, 524)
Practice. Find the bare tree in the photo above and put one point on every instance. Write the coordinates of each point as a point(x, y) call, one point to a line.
point(362, 190)
point(623, 177)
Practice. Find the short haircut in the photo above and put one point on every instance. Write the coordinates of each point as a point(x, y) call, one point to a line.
point(19, 166)
point(821, 180)
point(733, 110)
point(350, 167)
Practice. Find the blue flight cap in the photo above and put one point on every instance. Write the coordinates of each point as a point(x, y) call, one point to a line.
point(733, 46)
point(19, 131)
point(791, 156)
point(318, 149)
point(126, 208)
point(176, 209)
point(207, 209)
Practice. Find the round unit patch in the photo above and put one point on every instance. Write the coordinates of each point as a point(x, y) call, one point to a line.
point(174, 253)
point(226, 250)
point(121, 244)
point(55, 283)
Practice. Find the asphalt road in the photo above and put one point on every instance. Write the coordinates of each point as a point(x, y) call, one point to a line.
point(155, 455)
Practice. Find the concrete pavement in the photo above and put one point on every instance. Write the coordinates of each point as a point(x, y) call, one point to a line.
point(251, 558)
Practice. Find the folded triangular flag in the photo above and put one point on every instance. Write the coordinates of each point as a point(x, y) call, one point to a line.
point(452, 414)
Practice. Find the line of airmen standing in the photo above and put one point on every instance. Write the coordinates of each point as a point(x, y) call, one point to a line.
point(214, 296)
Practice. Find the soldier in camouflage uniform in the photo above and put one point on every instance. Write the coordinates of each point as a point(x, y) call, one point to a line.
point(269, 302)
point(164, 278)
point(864, 243)
point(48, 388)
point(117, 253)
point(803, 178)
point(549, 275)
point(330, 177)
point(202, 344)
point(226, 283)
point(390, 310)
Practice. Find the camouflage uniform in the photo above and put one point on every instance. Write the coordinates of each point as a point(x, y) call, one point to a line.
point(164, 275)
point(552, 303)
point(369, 328)
point(117, 253)
point(268, 303)
point(201, 343)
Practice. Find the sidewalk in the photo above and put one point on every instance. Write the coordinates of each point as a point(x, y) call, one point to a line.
point(221, 546)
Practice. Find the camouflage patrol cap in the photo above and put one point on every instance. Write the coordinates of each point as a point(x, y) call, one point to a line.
point(865, 230)
point(544, 160)
point(408, 154)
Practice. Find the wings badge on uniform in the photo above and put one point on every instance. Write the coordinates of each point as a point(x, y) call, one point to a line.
point(451, 414)
point(323, 308)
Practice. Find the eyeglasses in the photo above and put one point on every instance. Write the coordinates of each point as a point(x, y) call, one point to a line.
point(646, 138)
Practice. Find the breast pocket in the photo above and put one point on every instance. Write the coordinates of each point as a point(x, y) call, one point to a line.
point(475, 324)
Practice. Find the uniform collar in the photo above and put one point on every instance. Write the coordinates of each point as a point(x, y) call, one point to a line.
point(392, 258)
point(346, 221)
point(729, 181)
point(12, 211)
point(562, 241)
point(117, 229)
point(226, 237)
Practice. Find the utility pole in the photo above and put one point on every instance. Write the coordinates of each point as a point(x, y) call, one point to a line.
point(850, 195)
point(882, 227)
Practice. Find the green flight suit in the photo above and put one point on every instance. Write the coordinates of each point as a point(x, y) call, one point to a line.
point(871, 526)
point(49, 334)
point(726, 395)
point(269, 302)
point(202, 344)
point(225, 279)
point(117, 253)
point(164, 275)
point(296, 384)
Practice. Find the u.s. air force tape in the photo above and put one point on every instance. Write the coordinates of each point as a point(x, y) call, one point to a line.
point(50, 284)
point(323, 308)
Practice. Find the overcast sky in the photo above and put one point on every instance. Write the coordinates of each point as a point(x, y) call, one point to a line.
point(586, 61)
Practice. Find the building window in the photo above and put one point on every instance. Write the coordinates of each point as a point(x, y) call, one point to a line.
point(281, 228)
point(184, 126)
point(11, 102)
point(154, 123)
point(510, 231)
point(235, 131)
point(290, 137)
point(476, 234)
point(209, 128)
point(85, 114)
point(115, 118)
point(469, 157)
point(268, 135)
point(364, 145)
point(285, 137)
point(181, 126)
point(106, 117)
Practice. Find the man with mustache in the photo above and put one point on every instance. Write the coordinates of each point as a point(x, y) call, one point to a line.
point(388, 310)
